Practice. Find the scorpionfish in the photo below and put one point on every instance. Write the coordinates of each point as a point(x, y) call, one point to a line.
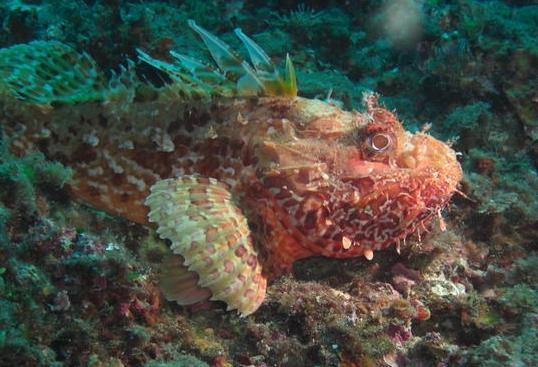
point(237, 172)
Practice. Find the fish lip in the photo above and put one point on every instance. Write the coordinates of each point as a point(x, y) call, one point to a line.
point(429, 188)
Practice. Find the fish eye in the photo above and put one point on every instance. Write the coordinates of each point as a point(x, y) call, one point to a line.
point(380, 142)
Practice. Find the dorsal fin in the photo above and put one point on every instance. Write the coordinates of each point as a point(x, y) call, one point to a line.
point(224, 57)
point(236, 77)
point(46, 72)
point(43, 72)
point(258, 57)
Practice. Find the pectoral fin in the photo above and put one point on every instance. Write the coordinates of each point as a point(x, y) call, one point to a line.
point(206, 228)
point(180, 284)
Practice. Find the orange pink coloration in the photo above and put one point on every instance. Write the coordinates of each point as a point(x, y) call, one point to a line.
point(243, 187)
point(331, 192)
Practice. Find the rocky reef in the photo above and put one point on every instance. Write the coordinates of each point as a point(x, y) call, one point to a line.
point(78, 287)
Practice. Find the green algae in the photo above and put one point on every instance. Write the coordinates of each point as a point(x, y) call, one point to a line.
point(4, 218)
point(520, 298)
point(22, 177)
point(518, 349)
point(469, 116)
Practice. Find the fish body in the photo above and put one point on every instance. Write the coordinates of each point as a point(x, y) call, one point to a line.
point(244, 185)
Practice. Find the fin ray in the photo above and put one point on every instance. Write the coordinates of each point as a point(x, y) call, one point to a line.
point(220, 51)
point(44, 72)
point(179, 284)
point(237, 76)
point(258, 57)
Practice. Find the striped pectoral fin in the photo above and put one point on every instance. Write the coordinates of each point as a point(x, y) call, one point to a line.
point(179, 284)
point(211, 234)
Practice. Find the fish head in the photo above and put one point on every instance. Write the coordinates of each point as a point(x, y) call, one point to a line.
point(348, 183)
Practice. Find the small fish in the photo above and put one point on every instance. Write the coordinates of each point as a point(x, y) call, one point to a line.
point(237, 172)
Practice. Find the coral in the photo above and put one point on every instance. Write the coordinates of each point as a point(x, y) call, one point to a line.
point(520, 298)
point(309, 27)
point(478, 312)
point(53, 274)
point(507, 189)
point(4, 218)
point(369, 60)
point(518, 302)
point(368, 323)
point(526, 269)
point(20, 22)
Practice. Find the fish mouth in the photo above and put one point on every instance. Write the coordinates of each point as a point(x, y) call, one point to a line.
point(396, 206)
point(404, 195)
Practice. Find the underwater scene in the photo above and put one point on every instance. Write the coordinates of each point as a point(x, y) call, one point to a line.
point(286, 183)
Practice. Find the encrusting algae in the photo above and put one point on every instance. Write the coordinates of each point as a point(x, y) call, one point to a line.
point(238, 173)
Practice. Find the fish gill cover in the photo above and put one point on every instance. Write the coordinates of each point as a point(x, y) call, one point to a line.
point(246, 178)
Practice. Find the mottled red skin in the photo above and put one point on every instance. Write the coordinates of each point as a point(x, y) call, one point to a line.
point(368, 199)
point(303, 171)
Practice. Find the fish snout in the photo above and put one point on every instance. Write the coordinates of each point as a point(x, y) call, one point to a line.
point(423, 151)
